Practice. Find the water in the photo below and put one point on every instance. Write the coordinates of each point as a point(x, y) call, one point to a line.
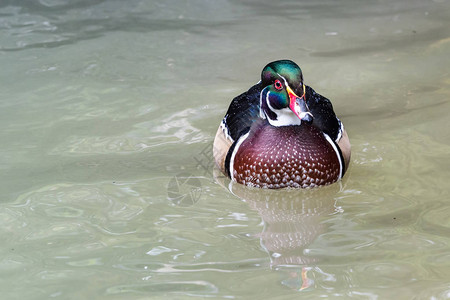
point(107, 107)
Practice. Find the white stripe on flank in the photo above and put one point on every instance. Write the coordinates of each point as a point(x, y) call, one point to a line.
point(341, 130)
point(225, 130)
point(236, 148)
point(341, 167)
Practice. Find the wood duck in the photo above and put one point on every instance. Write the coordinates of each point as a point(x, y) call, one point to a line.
point(281, 133)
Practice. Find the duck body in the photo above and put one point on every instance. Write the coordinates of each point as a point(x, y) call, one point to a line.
point(272, 138)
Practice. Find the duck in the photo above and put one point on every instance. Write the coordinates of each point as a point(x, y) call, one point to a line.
point(282, 134)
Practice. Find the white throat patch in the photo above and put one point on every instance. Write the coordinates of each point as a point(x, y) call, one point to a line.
point(285, 116)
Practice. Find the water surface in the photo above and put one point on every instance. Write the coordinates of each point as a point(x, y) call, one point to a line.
point(108, 110)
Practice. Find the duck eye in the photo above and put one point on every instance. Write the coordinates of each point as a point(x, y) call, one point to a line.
point(278, 85)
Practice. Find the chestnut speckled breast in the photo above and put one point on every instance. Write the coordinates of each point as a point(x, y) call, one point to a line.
point(291, 156)
point(281, 133)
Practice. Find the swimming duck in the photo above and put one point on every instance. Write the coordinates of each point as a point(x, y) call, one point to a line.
point(281, 133)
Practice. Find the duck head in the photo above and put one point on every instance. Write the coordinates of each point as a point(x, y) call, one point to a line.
point(282, 99)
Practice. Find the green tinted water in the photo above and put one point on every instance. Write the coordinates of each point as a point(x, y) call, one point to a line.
point(108, 110)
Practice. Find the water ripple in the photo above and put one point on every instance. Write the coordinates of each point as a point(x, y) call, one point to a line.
point(190, 288)
point(53, 24)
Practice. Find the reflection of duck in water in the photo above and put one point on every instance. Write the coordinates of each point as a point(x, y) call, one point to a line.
point(281, 133)
point(292, 221)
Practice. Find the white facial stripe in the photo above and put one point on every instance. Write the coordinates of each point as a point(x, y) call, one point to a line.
point(285, 81)
point(235, 150)
point(330, 141)
point(262, 115)
point(267, 101)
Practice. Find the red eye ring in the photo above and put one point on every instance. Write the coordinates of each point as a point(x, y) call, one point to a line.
point(278, 84)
